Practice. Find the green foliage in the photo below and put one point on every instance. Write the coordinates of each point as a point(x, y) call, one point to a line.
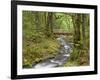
point(35, 52)
point(78, 57)
point(36, 45)
point(64, 22)
point(40, 43)
point(70, 63)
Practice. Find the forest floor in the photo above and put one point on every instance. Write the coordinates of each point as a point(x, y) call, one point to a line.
point(37, 52)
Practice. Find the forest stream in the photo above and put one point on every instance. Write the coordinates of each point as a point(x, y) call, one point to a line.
point(58, 60)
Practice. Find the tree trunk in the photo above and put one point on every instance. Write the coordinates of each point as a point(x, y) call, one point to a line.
point(83, 29)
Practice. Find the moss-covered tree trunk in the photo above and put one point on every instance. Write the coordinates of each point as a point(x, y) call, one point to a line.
point(49, 24)
point(76, 23)
point(83, 30)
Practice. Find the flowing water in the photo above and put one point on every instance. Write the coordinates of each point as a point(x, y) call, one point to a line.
point(60, 59)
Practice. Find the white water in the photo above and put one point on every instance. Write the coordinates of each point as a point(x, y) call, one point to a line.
point(60, 59)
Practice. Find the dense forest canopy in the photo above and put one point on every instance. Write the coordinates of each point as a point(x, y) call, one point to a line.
point(40, 30)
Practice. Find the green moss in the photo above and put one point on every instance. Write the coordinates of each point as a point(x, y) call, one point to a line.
point(35, 52)
point(70, 64)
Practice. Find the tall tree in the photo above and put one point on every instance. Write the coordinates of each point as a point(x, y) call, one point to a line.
point(83, 29)
point(49, 24)
point(76, 23)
